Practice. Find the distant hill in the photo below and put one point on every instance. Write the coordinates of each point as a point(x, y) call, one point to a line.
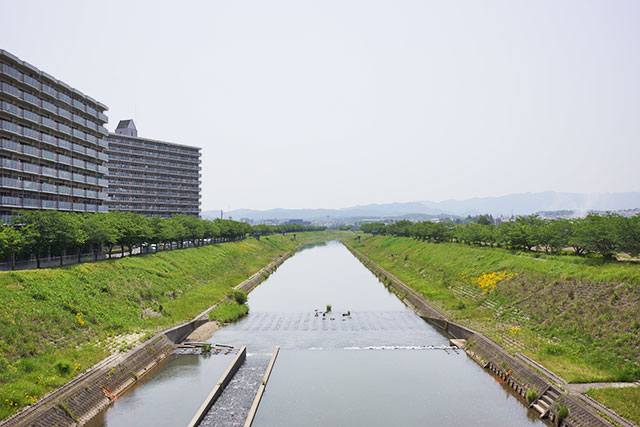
point(528, 203)
point(517, 204)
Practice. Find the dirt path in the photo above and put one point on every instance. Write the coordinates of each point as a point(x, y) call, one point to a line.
point(584, 387)
point(204, 332)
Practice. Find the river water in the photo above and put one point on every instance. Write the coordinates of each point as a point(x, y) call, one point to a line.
point(371, 361)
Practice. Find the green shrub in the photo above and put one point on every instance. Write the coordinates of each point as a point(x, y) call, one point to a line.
point(4, 363)
point(328, 308)
point(206, 347)
point(63, 367)
point(553, 349)
point(563, 412)
point(532, 394)
point(228, 311)
point(239, 296)
point(27, 365)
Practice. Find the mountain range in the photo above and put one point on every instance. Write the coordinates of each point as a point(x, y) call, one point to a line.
point(512, 204)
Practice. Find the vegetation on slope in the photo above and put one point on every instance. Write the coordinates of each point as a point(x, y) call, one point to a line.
point(52, 320)
point(580, 317)
point(624, 401)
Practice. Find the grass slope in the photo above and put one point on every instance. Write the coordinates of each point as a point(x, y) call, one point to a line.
point(51, 319)
point(625, 401)
point(578, 317)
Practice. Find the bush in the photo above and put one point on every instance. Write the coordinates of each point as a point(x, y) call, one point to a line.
point(563, 412)
point(27, 365)
point(63, 367)
point(532, 394)
point(553, 349)
point(228, 311)
point(206, 347)
point(239, 296)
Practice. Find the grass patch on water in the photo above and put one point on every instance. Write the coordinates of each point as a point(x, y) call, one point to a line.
point(228, 311)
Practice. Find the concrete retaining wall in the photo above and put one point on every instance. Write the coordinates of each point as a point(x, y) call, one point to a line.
point(517, 375)
point(179, 333)
point(82, 398)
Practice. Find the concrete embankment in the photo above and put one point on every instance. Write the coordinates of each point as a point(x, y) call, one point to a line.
point(88, 394)
point(81, 399)
point(514, 372)
point(219, 387)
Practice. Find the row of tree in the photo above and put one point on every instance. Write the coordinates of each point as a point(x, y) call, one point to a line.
point(606, 235)
point(45, 233)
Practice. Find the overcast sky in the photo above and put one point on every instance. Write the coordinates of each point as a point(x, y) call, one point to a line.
point(309, 104)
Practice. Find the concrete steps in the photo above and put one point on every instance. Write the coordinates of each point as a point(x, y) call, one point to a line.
point(545, 402)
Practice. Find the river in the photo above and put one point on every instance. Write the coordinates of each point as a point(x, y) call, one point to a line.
point(370, 361)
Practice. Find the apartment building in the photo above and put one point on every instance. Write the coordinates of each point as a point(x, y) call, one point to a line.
point(152, 178)
point(52, 143)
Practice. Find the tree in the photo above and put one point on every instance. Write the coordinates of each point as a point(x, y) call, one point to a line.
point(561, 231)
point(400, 228)
point(52, 231)
point(484, 220)
point(11, 240)
point(596, 234)
point(100, 231)
point(69, 234)
point(627, 234)
point(373, 227)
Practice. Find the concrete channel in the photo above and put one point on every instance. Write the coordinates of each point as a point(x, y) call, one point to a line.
point(219, 387)
point(234, 401)
point(517, 375)
point(254, 407)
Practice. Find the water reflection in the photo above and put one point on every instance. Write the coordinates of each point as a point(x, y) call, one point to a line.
point(169, 396)
point(381, 388)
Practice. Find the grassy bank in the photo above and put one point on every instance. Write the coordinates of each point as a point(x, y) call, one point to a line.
point(625, 401)
point(578, 317)
point(56, 322)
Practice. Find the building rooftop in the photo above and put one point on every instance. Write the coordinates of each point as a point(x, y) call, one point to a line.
point(124, 124)
point(127, 129)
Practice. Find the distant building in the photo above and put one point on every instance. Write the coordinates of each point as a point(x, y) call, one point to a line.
point(152, 178)
point(52, 143)
point(501, 219)
point(246, 220)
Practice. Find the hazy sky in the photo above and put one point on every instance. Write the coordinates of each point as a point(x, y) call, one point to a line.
point(303, 104)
